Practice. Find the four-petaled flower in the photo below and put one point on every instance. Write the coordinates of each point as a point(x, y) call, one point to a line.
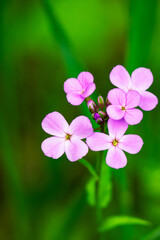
point(116, 142)
point(79, 89)
point(140, 80)
point(123, 106)
point(66, 138)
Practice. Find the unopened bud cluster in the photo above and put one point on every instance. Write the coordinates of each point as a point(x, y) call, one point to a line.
point(98, 110)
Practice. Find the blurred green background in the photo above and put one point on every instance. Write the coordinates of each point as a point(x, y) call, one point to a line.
point(42, 43)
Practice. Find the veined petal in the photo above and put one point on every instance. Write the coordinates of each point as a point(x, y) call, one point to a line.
point(72, 85)
point(120, 78)
point(148, 101)
point(74, 99)
point(115, 112)
point(117, 96)
point(142, 79)
point(80, 127)
point(89, 90)
point(99, 141)
point(55, 124)
point(117, 128)
point(133, 99)
point(75, 149)
point(131, 143)
point(133, 116)
point(85, 78)
point(116, 158)
point(53, 147)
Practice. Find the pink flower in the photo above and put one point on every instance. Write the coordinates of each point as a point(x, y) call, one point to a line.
point(140, 80)
point(78, 89)
point(123, 106)
point(66, 138)
point(116, 142)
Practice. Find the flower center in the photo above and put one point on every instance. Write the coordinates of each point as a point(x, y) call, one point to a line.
point(83, 91)
point(68, 136)
point(123, 108)
point(115, 142)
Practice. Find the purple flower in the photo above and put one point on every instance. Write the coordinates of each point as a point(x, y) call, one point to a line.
point(79, 89)
point(140, 80)
point(116, 142)
point(66, 138)
point(123, 106)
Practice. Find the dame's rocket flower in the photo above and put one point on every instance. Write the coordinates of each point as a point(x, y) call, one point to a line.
point(79, 89)
point(140, 80)
point(123, 106)
point(66, 138)
point(116, 142)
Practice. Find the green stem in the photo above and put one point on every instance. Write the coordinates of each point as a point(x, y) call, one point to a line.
point(99, 215)
point(90, 168)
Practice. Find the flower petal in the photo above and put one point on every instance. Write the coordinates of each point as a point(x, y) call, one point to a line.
point(72, 85)
point(148, 101)
point(115, 112)
point(74, 99)
point(117, 96)
point(116, 158)
point(53, 147)
point(120, 78)
point(55, 124)
point(85, 78)
point(142, 79)
point(133, 116)
point(133, 99)
point(89, 90)
point(117, 128)
point(75, 149)
point(99, 141)
point(131, 143)
point(80, 127)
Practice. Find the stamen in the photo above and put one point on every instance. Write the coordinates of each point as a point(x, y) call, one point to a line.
point(123, 108)
point(68, 136)
point(115, 142)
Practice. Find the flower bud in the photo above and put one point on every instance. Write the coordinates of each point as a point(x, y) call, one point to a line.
point(100, 102)
point(96, 116)
point(107, 102)
point(91, 106)
point(99, 121)
point(102, 114)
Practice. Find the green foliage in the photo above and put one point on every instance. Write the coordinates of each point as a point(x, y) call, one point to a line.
point(116, 221)
point(105, 184)
point(91, 191)
point(154, 235)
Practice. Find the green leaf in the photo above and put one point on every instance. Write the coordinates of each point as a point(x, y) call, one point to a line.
point(105, 184)
point(154, 235)
point(116, 221)
point(91, 191)
point(89, 167)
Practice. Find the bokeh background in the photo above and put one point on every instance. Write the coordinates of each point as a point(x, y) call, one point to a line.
point(42, 43)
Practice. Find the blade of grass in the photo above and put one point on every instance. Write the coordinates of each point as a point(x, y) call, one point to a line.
point(142, 22)
point(116, 221)
point(72, 65)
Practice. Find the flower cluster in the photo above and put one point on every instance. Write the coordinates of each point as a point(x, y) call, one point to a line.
point(117, 112)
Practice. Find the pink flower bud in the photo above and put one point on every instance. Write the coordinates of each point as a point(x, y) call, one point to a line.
point(100, 102)
point(91, 106)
